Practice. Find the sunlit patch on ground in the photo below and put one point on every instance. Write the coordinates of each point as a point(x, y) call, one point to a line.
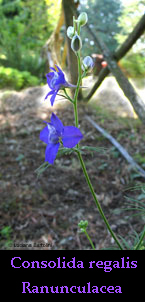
point(110, 96)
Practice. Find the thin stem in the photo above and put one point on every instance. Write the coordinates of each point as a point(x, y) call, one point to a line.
point(77, 90)
point(82, 162)
point(88, 237)
point(68, 97)
point(97, 202)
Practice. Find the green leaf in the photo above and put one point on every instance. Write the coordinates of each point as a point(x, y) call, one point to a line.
point(42, 168)
point(45, 165)
point(125, 243)
point(65, 151)
point(91, 149)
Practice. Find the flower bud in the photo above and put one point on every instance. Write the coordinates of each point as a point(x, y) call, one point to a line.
point(83, 19)
point(87, 63)
point(83, 225)
point(70, 32)
point(76, 43)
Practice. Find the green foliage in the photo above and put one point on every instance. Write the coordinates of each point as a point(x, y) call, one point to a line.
point(103, 18)
point(113, 21)
point(10, 77)
point(25, 27)
point(140, 158)
point(131, 14)
point(134, 64)
point(93, 149)
point(32, 63)
point(137, 205)
point(5, 232)
point(138, 241)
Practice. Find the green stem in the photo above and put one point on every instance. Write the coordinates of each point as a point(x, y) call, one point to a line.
point(68, 97)
point(88, 237)
point(77, 90)
point(96, 201)
point(82, 162)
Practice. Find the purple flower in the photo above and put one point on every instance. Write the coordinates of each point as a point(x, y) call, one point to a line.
point(54, 133)
point(56, 81)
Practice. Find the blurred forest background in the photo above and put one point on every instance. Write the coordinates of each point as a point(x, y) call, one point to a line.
point(27, 25)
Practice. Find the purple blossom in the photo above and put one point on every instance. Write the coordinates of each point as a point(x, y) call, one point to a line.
point(54, 133)
point(56, 81)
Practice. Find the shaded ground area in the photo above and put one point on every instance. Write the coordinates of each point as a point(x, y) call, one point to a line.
point(47, 210)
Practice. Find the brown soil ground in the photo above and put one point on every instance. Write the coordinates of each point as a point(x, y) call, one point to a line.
point(46, 210)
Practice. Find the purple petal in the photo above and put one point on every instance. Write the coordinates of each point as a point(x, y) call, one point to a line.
point(49, 77)
point(49, 93)
point(60, 81)
point(44, 134)
point(51, 152)
point(53, 69)
point(59, 69)
point(71, 136)
point(57, 123)
point(52, 99)
point(60, 72)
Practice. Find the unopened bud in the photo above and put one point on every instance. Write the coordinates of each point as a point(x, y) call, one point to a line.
point(83, 19)
point(70, 32)
point(76, 43)
point(87, 63)
point(83, 225)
